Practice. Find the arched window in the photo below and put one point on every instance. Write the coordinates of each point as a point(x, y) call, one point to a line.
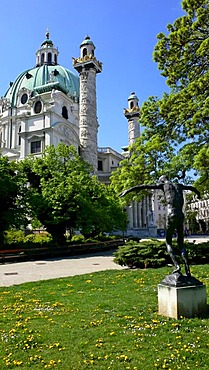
point(49, 58)
point(42, 58)
point(19, 137)
point(131, 104)
point(84, 52)
point(64, 112)
point(37, 107)
point(55, 58)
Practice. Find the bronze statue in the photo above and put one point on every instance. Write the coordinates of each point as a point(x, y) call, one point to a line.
point(173, 194)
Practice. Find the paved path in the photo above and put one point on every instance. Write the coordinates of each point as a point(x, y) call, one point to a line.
point(22, 272)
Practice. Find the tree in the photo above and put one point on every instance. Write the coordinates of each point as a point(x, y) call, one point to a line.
point(63, 194)
point(181, 117)
point(9, 211)
point(201, 164)
point(146, 163)
point(176, 127)
point(183, 58)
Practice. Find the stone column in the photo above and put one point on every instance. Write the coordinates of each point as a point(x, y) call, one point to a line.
point(88, 66)
point(88, 119)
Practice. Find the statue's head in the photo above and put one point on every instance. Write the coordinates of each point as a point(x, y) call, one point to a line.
point(163, 179)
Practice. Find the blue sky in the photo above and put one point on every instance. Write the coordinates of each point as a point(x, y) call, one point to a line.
point(124, 33)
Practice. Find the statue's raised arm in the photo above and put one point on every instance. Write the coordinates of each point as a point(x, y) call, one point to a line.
point(140, 187)
point(192, 188)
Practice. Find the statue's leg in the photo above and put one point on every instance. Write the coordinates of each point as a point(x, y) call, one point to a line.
point(169, 234)
point(180, 241)
point(186, 262)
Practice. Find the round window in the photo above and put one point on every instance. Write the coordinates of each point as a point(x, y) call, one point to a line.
point(37, 107)
point(24, 98)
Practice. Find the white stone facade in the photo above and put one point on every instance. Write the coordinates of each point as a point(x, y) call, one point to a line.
point(200, 207)
point(108, 161)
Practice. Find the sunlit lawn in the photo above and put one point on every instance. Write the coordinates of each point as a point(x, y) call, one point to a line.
point(105, 320)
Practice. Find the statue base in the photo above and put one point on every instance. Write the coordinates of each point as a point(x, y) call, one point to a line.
point(180, 295)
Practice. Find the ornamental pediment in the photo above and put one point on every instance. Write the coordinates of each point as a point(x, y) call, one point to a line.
point(10, 153)
point(66, 131)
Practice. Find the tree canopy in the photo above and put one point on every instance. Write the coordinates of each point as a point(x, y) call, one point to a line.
point(10, 213)
point(176, 126)
point(183, 58)
point(62, 195)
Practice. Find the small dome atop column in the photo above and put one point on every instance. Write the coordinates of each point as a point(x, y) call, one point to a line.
point(87, 47)
point(132, 101)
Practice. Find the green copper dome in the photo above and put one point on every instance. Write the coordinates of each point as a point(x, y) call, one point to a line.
point(132, 96)
point(87, 41)
point(48, 75)
point(42, 79)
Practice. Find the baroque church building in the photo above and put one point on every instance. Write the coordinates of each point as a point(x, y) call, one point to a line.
point(49, 104)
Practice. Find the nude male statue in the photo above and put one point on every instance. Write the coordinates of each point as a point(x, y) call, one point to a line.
point(173, 194)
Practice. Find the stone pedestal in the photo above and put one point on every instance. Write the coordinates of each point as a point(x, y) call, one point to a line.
point(179, 295)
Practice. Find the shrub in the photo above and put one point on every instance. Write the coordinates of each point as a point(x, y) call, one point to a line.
point(39, 240)
point(147, 253)
point(77, 239)
point(152, 253)
point(17, 239)
point(198, 253)
point(13, 237)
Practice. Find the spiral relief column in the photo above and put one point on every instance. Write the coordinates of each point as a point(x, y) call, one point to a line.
point(88, 66)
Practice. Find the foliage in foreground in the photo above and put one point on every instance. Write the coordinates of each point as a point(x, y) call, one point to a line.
point(152, 253)
point(105, 320)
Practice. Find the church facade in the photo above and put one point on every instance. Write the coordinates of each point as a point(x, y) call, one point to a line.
point(49, 104)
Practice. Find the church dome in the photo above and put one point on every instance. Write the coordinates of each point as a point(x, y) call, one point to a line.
point(48, 75)
point(44, 79)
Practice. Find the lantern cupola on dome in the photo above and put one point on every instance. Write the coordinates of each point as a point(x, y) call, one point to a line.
point(47, 54)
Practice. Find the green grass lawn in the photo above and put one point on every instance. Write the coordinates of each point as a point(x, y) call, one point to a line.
point(105, 320)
